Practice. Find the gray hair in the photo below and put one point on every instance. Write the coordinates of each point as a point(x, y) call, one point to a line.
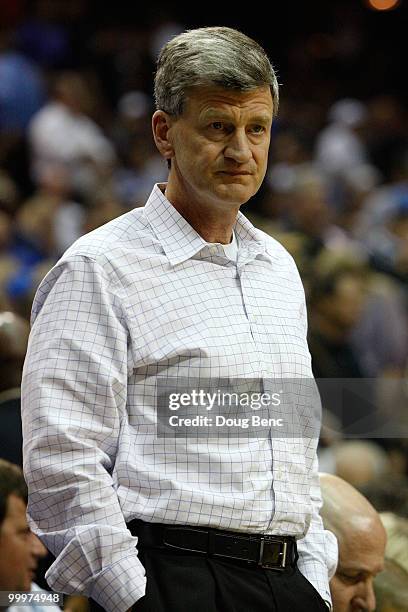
point(211, 56)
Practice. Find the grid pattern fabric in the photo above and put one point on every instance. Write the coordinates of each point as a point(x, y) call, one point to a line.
point(141, 297)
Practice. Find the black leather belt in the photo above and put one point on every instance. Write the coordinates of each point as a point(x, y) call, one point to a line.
point(266, 551)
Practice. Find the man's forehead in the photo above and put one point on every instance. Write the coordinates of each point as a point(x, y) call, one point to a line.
point(205, 99)
point(363, 554)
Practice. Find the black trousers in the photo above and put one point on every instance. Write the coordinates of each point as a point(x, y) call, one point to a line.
point(187, 582)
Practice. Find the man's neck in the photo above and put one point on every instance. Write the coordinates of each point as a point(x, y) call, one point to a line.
point(214, 224)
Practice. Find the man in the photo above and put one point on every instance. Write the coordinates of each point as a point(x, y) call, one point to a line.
point(362, 539)
point(20, 549)
point(184, 287)
point(63, 133)
point(337, 298)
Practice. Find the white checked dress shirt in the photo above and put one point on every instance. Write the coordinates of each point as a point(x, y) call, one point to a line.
point(140, 297)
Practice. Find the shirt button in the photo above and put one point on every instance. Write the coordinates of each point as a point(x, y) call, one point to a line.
point(213, 250)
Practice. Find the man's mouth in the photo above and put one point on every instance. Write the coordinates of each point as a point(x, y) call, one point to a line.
point(235, 172)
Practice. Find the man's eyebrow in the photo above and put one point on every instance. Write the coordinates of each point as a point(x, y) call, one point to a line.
point(262, 119)
point(213, 112)
point(221, 114)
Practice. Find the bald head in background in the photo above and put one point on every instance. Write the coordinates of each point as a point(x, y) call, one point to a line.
point(361, 538)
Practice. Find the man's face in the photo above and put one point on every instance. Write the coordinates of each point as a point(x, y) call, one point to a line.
point(220, 146)
point(19, 548)
point(361, 558)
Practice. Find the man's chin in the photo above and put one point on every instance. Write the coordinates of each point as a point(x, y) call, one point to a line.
point(234, 193)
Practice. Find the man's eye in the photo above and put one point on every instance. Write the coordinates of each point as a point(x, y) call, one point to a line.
point(217, 125)
point(350, 579)
point(258, 129)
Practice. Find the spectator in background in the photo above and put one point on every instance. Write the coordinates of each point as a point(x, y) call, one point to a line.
point(20, 550)
point(14, 333)
point(378, 336)
point(337, 300)
point(339, 146)
point(63, 132)
point(361, 538)
point(358, 330)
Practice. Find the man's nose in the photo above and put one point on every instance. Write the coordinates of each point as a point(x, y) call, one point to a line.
point(38, 549)
point(238, 147)
point(366, 597)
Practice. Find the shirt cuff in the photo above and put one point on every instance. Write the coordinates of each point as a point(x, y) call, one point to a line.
point(316, 574)
point(120, 585)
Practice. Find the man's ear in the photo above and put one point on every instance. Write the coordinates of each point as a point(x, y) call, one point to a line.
point(161, 124)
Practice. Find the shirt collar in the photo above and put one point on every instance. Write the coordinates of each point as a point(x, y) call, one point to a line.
point(180, 241)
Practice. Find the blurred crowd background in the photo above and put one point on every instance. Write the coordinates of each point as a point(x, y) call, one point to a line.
point(76, 151)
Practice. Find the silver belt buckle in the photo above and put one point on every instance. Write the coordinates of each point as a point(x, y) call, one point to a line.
point(269, 559)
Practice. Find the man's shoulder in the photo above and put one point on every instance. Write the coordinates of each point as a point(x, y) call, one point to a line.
point(129, 232)
point(105, 255)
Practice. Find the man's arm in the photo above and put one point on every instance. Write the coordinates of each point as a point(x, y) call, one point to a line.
point(73, 401)
point(318, 551)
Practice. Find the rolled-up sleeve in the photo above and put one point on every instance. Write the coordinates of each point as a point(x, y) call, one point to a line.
point(73, 402)
point(318, 551)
